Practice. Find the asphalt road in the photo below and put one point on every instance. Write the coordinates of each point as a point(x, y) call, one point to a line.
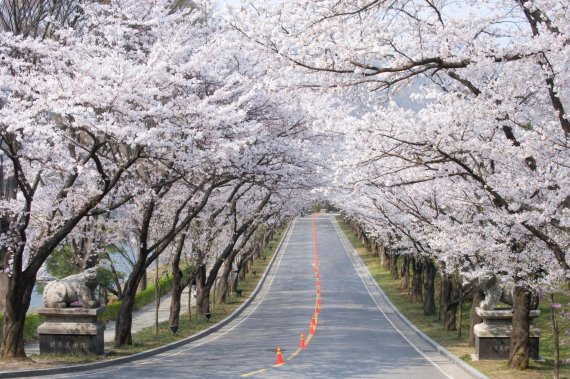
point(357, 334)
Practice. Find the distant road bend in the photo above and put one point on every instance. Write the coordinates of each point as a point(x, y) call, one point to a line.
point(357, 333)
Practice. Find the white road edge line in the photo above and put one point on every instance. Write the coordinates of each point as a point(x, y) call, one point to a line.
point(284, 246)
point(145, 362)
point(348, 248)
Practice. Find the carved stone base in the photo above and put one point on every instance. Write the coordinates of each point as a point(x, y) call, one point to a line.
point(493, 335)
point(71, 331)
point(497, 348)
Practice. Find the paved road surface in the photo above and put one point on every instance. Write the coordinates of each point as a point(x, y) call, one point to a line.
point(355, 337)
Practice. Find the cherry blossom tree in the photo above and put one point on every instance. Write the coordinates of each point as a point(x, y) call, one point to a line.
point(73, 128)
point(490, 137)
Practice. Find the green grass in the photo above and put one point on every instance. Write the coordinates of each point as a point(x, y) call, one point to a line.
point(147, 338)
point(460, 345)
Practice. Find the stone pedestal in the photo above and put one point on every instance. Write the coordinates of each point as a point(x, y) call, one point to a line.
point(493, 335)
point(71, 331)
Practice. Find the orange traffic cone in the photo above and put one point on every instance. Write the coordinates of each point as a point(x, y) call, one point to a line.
point(279, 359)
point(302, 342)
point(311, 329)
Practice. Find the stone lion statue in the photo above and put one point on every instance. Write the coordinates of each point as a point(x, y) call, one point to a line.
point(79, 287)
point(499, 290)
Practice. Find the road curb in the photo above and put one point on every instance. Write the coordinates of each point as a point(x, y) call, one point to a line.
point(161, 349)
point(440, 349)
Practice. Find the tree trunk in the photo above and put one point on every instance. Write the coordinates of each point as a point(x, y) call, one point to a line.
point(555, 335)
point(360, 235)
point(450, 302)
point(364, 240)
point(520, 349)
point(190, 298)
point(374, 247)
point(178, 285)
point(394, 266)
point(175, 305)
point(385, 258)
point(143, 282)
point(474, 318)
point(241, 272)
point(124, 322)
point(18, 297)
point(429, 288)
point(202, 292)
point(3, 291)
point(156, 298)
point(405, 273)
point(224, 282)
point(249, 264)
point(176, 299)
point(8, 191)
point(416, 290)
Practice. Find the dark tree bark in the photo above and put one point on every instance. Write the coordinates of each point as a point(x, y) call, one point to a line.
point(175, 302)
point(405, 273)
point(364, 240)
point(123, 335)
point(179, 283)
point(520, 349)
point(429, 288)
point(3, 290)
point(8, 188)
point(123, 323)
point(246, 229)
point(242, 271)
point(385, 258)
point(450, 302)
point(149, 251)
point(374, 247)
point(394, 265)
point(224, 281)
point(360, 234)
point(22, 280)
point(241, 264)
point(14, 317)
point(555, 335)
point(416, 290)
point(202, 292)
point(247, 260)
point(474, 318)
point(144, 282)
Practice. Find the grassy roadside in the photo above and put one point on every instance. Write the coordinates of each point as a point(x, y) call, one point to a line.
point(146, 339)
point(449, 339)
